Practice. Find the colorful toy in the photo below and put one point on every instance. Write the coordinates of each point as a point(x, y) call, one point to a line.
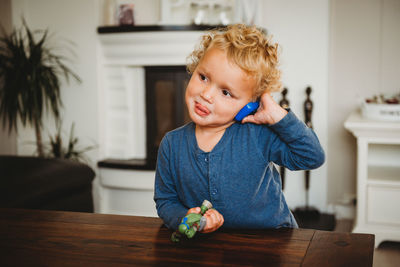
point(192, 223)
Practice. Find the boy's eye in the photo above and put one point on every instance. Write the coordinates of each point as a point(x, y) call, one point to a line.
point(226, 92)
point(203, 77)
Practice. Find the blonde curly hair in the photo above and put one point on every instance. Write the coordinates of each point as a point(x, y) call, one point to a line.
point(249, 48)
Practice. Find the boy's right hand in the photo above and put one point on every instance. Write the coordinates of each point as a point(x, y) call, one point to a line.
point(269, 111)
point(214, 219)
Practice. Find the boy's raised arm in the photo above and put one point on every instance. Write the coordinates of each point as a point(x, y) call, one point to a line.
point(295, 146)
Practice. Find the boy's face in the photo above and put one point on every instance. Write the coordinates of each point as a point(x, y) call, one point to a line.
point(217, 90)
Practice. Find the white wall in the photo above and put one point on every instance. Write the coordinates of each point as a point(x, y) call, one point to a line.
point(301, 28)
point(364, 61)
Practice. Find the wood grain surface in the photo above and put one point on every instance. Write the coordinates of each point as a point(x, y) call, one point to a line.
point(54, 238)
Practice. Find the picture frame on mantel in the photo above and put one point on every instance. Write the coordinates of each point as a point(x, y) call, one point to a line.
point(125, 14)
point(117, 13)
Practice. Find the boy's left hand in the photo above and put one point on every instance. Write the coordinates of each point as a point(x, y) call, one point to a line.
point(269, 111)
point(214, 219)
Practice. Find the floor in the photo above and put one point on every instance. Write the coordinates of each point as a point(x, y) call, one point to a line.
point(386, 255)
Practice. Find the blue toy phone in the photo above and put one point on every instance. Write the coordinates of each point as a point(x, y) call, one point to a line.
point(250, 108)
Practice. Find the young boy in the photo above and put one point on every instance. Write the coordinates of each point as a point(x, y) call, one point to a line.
point(227, 162)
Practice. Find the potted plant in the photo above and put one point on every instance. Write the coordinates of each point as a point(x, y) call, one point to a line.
point(30, 73)
point(55, 147)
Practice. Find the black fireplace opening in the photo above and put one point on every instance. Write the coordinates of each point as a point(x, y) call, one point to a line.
point(165, 104)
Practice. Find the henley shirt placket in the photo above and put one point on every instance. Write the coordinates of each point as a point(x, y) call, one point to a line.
point(212, 178)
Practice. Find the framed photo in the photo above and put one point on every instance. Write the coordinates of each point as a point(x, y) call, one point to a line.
point(125, 14)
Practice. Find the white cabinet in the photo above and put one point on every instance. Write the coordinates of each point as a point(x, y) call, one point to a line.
point(378, 177)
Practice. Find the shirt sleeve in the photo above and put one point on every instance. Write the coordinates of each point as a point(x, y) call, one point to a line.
point(293, 144)
point(168, 206)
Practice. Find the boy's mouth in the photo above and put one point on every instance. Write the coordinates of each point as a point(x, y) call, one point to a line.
point(200, 109)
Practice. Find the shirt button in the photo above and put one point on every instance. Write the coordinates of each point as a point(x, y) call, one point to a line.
point(206, 159)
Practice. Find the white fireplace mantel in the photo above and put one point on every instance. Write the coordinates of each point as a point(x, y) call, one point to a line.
point(148, 48)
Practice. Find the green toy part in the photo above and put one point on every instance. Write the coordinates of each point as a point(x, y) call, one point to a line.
point(192, 223)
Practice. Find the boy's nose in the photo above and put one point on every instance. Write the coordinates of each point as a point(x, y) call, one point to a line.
point(207, 94)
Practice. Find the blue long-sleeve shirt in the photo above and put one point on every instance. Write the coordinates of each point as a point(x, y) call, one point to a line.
point(237, 176)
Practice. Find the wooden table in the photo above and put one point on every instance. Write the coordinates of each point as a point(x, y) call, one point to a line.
point(54, 238)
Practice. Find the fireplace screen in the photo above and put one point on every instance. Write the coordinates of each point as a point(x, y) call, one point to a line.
point(165, 104)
